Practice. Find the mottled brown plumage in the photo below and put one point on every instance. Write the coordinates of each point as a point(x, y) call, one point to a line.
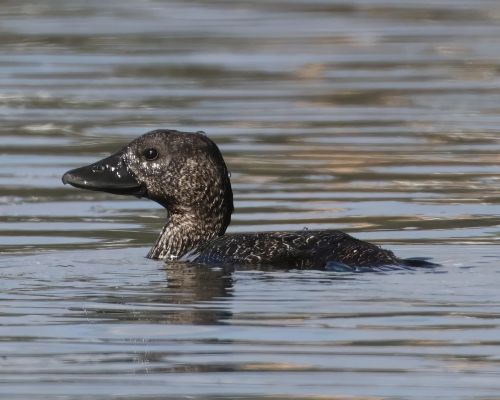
point(185, 172)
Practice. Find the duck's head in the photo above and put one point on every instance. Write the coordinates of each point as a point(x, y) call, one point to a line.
point(183, 171)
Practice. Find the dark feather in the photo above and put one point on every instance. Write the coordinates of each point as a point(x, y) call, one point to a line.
point(185, 172)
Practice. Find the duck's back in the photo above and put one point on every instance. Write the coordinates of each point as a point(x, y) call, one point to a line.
point(300, 249)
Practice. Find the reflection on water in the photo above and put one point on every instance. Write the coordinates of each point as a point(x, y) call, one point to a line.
point(378, 117)
point(183, 286)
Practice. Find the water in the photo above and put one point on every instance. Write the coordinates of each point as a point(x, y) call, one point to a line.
point(379, 118)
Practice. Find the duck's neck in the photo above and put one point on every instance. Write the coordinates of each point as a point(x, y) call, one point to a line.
point(187, 231)
point(185, 234)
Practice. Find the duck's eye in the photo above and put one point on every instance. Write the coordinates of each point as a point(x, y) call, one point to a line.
point(151, 154)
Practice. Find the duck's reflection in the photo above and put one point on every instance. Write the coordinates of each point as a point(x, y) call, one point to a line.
point(196, 293)
point(188, 294)
point(198, 282)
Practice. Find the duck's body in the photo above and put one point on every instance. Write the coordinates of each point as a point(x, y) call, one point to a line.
point(185, 172)
point(301, 249)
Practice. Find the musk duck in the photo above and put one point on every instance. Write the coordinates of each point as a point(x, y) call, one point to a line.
point(186, 174)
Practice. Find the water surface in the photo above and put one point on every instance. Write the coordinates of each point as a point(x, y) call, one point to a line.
point(380, 118)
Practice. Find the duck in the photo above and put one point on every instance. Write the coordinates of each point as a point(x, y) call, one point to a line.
point(186, 174)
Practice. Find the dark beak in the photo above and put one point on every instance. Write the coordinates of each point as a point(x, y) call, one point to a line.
point(110, 175)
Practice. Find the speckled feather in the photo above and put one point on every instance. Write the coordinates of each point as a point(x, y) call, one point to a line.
point(190, 179)
point(301, 249)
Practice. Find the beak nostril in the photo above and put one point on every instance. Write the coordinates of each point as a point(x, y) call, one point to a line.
point(99, 168)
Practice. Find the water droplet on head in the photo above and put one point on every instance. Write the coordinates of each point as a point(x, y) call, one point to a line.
point(229, 174)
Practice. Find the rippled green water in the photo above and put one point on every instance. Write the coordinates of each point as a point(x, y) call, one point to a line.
point(380, 118)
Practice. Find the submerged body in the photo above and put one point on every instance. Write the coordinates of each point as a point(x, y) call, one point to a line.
point(185, 172)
